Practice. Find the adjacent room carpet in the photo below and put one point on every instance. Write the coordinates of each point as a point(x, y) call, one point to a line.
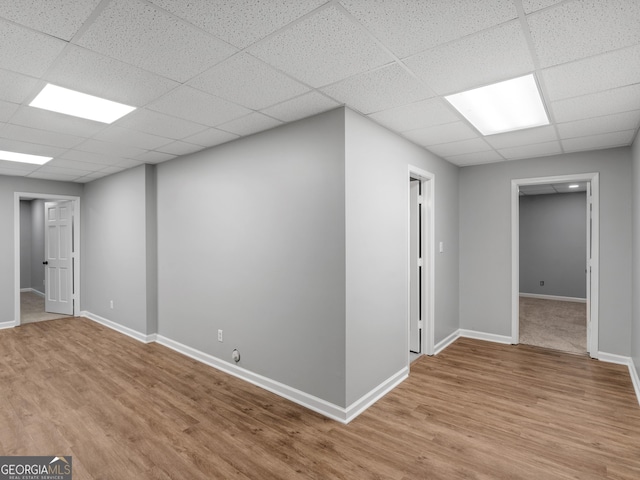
point(32, 309)
point(554, 324)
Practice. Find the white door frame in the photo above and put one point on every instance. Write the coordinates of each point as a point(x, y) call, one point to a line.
point(17, 196)
point(428, 248)
point(593, 301)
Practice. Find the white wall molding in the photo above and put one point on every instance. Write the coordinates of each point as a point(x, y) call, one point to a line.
point(444, 343)
point(141, 337)
point(553, 297)
point(622, 360)
point(489, 337)
point(634, 379)
point(364, 402)
point(4, 325)
point(32, 290)
point(309, 401)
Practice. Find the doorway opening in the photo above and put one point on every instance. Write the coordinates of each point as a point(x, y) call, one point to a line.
point(47, 263)
point(555, 262)
point(421, 263)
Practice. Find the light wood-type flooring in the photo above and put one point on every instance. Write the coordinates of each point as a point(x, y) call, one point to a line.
point(478, 410)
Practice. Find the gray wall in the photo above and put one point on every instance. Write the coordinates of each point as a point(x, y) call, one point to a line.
point(251, 241)
point(114, 248)
point(8, 186)
point(485, 240)
point(37, 245)
point(25, 243)
point(553, 244)
point(377, 209)
point(635, 324)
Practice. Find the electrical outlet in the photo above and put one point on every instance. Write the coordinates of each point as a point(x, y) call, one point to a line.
point(542, 283)
point(111, 304)
point(219, 335)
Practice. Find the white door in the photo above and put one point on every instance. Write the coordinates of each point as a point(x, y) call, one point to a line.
point(58, 238)
point(415, 267)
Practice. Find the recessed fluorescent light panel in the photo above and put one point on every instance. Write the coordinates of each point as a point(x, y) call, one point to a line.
point(70, 102)
point(574, 186)
point(23, 158)
point(502, 107)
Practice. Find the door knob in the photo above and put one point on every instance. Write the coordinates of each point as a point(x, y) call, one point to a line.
point(45, 263)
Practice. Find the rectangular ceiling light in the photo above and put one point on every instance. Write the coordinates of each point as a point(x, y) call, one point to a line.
point(23, 158)
point(502, 107)
point(70, 102)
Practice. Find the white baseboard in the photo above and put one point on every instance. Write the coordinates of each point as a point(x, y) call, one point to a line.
point(364, 402)
point(4, 325)
point(32, 290)
point(444, 343)
point(309, 401)
point(141, 337)
point(489, 337)
point(622, 360)
point(554, 297)
point(635, 379)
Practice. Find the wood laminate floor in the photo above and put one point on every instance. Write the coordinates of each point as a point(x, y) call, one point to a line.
point(125, 410)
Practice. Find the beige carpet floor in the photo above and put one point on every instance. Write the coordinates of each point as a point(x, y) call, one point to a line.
point(554, 324)
point(32, 309)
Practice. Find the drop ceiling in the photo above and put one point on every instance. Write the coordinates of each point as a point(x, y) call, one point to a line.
point(205, 72)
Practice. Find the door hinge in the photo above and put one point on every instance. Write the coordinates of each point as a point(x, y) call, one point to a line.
point(420, 323)
point(420, 199)
point(420, 262)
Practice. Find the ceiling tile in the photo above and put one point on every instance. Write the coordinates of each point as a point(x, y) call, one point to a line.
point(58, 177)
point(13, 145)
point(42, 137)
point(425, 113)
point(252, 123)
point(579, 29)
point(379, 89)
point(618, 100)
point(7, 109)
point(247, 81)
point(73, 164)
point(127, 163)
point(604, 140)
point(59, 18)
point(530, 151)
point(56, 122)
point(322, 49)
point(88, 157)
point(159, 124)
point(476, 158)
point(211, 137)
point(179, 148)
point(90, 72)
point(144, 36)
point(301, 107)
point(91, 177)
point(449, 132)
point(534, 5)
point(109, 149)
point(49, 168)
point(486, 57)
point(409, 26)
point(473, 145)
point(528, 136)
point(25, 51)
point(155, 157)
point(17, 166)
point(15, 87)
point(597, 125)
point(196, 106)
point(240, 22)
point(593, 74)
point(134, 138)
